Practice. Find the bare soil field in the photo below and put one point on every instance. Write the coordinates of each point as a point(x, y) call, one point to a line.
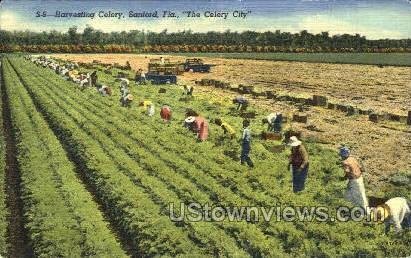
point(384, 148)
point(386, 89)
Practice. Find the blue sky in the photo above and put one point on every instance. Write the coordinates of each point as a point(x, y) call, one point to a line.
point(372, 18)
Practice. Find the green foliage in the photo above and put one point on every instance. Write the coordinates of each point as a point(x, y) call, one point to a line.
point(3, 209)
point(138, 165)
point(63, 220)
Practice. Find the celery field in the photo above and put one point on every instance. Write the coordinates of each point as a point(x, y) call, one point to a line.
point(97, 179)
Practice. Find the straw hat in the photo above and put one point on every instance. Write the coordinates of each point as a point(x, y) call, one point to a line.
point(294, 142)
point(129, 97)
point(190, 119)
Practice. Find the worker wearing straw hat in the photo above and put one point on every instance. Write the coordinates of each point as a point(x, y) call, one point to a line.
point(355, 192)
point(189, 123)
point(396, 212)
point(299, 164)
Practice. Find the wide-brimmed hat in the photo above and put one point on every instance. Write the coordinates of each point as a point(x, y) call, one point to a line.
point(294, 142)
point(129, 97)
point(125, 80)
point(190, 119)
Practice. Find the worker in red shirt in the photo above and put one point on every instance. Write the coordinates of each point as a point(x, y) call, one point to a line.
point(165, 113)
point(201, 127)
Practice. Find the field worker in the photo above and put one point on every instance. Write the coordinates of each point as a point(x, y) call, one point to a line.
point(162, 60)
point(126, 101)
point(149, 106)
point(242, 103)
point(83, 83)
point(355, 192)
point(140, 77)
point(89, 79)
point(299, 164)
point(188, 90)
point(396, 212)
point(124, 82)
point(226, 128)
point(105, 90)
point(124, 91)
point(94, 78)
point(150, 109)
point(270, 121)
point(189, 123)
point(246, 144)
point(165, 113)
point(201, 127)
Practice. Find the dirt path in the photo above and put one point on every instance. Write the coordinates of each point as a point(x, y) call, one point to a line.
point(19, 245)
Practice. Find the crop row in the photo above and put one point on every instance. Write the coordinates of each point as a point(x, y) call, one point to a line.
point(284, 229)
point(128, 204)
point(3, 208)
point(141, 132)
point(156, 167)
point(57, 204)
point(217, 192)
point(146, 137)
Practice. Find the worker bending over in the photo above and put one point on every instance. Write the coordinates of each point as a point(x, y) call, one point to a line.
point(355, 192)
point(148, 106)
point(298, 161)
point(226, 128)
point(105, 91)
point(201, 127)
point(188, 90)
point(274, 121)
point(242, 103)
point(396, 212)
point(165, 113)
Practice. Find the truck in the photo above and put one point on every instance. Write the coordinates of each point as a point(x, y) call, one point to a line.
point(196, 65)
point(162, 71)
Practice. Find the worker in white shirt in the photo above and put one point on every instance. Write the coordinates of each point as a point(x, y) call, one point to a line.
point(396, 212)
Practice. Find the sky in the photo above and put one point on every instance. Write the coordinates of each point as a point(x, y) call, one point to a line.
point(375, 19)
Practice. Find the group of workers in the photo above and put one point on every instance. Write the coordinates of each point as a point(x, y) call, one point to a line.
point(396, 211)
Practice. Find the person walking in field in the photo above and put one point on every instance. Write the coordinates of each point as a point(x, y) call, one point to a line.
point(299, 163)
point(246, 144)
point(394, 212)
point(228, 129)
point(201, 127)
point(355, 192)
point(165, 113)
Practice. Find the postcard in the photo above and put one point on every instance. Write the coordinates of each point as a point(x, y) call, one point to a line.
point(205, 128)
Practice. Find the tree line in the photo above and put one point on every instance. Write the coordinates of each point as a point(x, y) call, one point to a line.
point(92, 40)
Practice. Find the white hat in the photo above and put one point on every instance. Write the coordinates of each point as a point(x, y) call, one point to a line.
point(294, 142)
point(125, 80)
point(190, 119)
